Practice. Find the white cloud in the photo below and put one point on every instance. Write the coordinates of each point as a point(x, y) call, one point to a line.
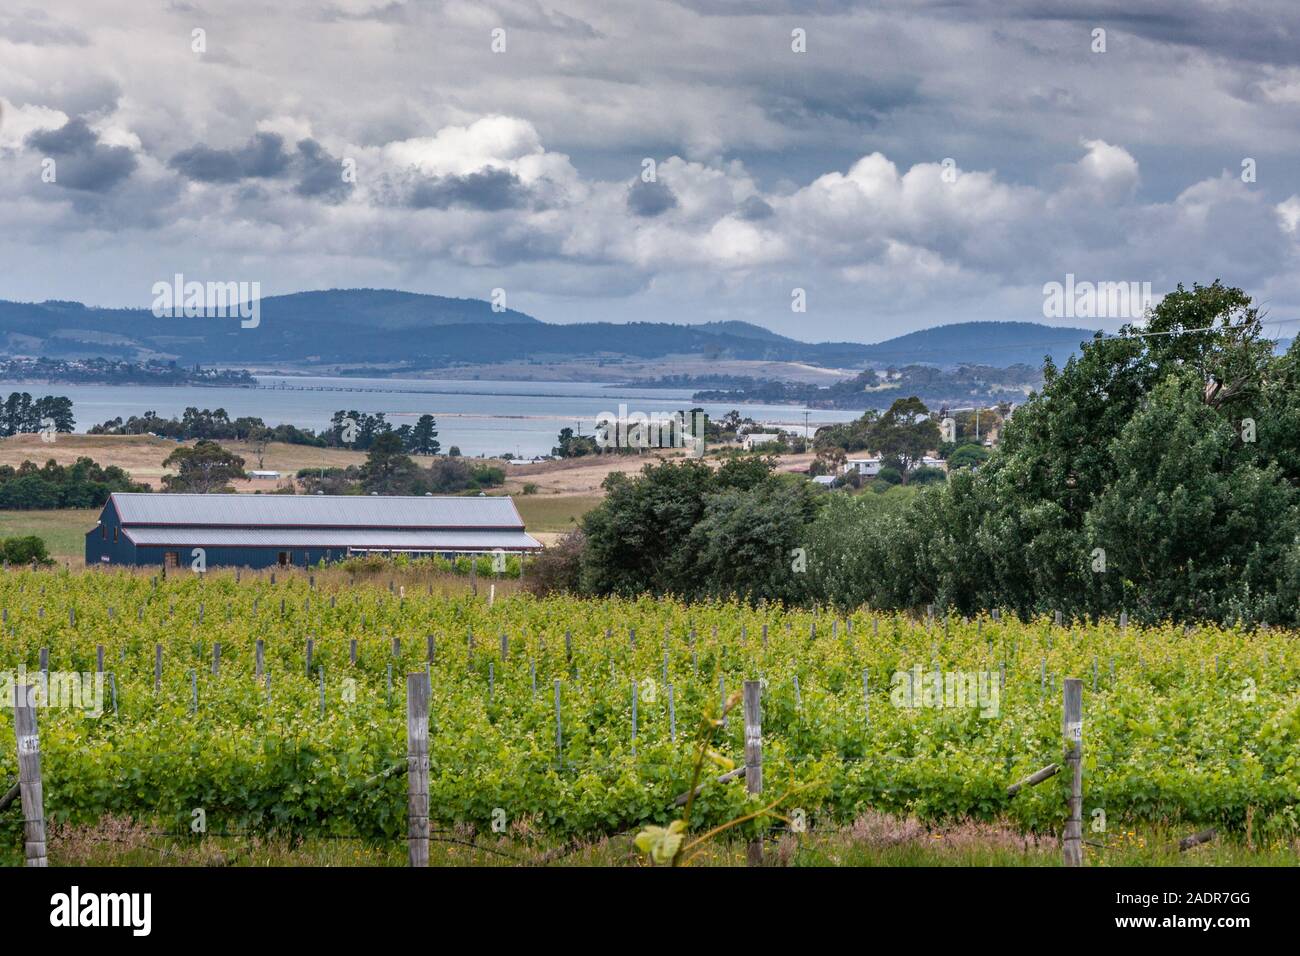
point(17, 122)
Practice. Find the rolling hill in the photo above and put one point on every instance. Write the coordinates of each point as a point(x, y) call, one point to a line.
point(406, 331)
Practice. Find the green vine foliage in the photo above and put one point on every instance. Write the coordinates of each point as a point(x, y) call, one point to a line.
point(1192, 727)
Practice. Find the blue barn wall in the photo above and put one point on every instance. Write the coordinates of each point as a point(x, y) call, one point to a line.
point(99, 540)
point(237, 557)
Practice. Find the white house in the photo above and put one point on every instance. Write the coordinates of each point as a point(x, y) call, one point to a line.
point(870, 467)
point(264, 474)
point(867, 467)
point(758, 439)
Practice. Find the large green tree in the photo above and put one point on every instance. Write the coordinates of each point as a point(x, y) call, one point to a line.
point(904, 433)
point(1156, 472)
point(204, 468)
point(388, 470)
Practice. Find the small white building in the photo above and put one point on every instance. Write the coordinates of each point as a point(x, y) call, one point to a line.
point(870, 467)
point(264, 474)
point(867, 467)
point(758, 439)
point(824, 480)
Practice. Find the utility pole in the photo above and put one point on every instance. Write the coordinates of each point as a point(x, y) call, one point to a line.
point(805, 427)
point(977, 424)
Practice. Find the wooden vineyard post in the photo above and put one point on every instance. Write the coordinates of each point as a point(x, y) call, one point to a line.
point(417, 767)
point(157, 668)
point(559, 730)
point(753, 691)
point(29, 776)
point(1072, 845)
point(261, 658)
point(634, 695)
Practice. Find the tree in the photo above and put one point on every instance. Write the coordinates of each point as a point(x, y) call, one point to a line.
point(57, 410)
point(682, 528)
point(558, 568)
point(25, 550)
point(259, 438)
point(904, 433)
point(205, 468)
point(572, 445)
point(388, 470)
point(424, 437)
point(1193, 526)
point(1136, 480)
point(746, 543)
point(846, 437)
point(636, 536)
point(968, 456)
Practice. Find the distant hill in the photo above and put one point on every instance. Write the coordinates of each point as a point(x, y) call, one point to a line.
point(360, 328)
point(743, 330)
point(1000, 344)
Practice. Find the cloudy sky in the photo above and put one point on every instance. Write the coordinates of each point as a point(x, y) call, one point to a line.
point(918, 163)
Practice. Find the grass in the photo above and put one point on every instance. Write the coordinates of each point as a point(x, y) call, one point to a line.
point(63, 529)
point(873, 840)
point(142, 456)
point(554, 513)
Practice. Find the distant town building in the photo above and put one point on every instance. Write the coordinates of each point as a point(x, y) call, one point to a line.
point(758, 440)
point(870, 467)
point(867, 467)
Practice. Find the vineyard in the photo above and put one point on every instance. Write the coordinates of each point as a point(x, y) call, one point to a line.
point(582, 717)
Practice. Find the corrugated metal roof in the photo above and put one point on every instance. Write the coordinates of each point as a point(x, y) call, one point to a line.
point(203, 537)
point(321, 511)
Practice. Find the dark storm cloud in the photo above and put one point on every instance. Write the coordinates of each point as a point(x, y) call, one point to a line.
point(821, 95)
point(746, 8)
point(488, 190)
point(754, 209)
point(262, 157)
point(1255, 31)
point(649, 199)
point(81, 160)
point(320, 175)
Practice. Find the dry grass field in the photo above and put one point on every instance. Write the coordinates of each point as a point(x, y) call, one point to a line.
point(142, 456)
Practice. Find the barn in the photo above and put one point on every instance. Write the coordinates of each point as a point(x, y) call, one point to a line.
point(259, 531)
